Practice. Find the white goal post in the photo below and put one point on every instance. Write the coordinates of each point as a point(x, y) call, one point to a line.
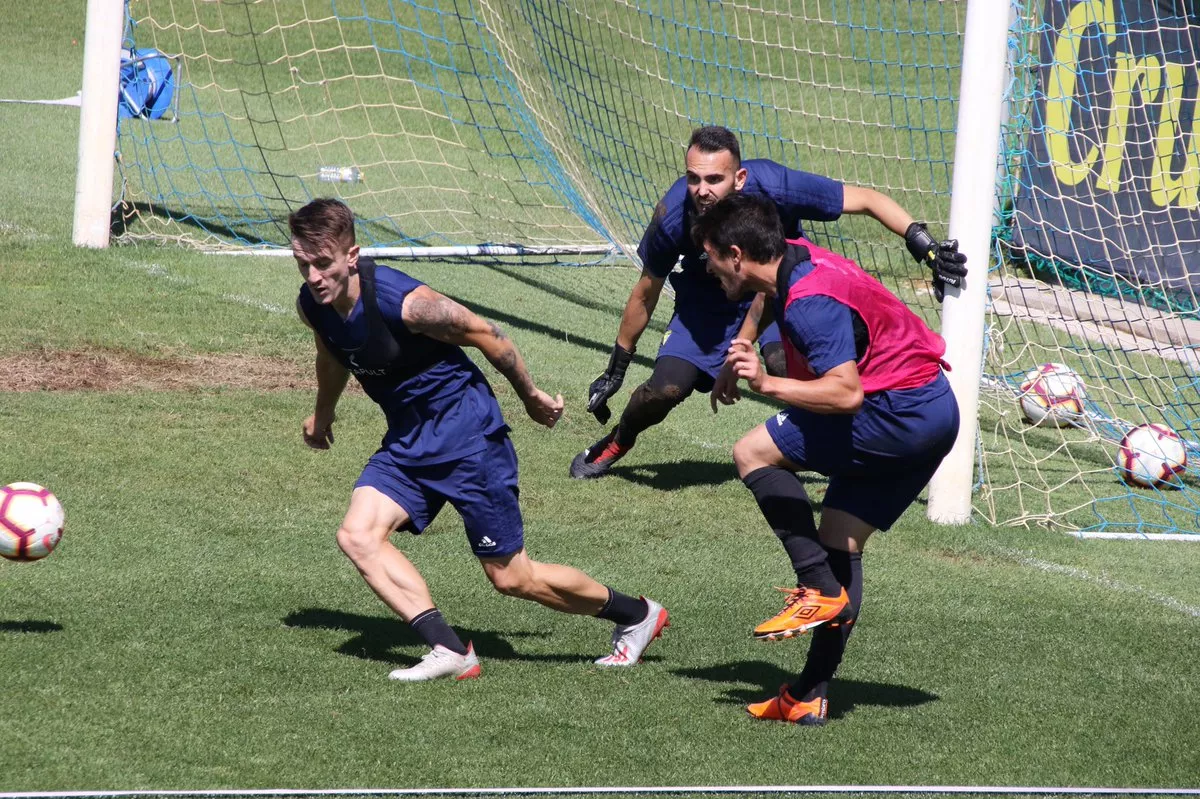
point(98, 122)
point(972, 208)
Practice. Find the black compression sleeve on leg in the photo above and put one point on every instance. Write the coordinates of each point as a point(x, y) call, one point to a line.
point(780, 497)
point(671, 382)
point(775, 359)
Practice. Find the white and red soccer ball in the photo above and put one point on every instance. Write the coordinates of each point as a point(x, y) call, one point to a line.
point(1053, 393)
point(31, 521)
point(1152, 456)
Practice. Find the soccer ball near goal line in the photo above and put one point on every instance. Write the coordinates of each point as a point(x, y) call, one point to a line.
point(1152, 456)
point(31, 521)
point(1053, 393)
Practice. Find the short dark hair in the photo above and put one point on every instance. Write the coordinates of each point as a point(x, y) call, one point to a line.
point(742, 220)
point(323, 222)
point(714, 139)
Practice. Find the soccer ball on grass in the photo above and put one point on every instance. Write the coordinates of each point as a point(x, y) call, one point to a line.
point(1053, 394)
point(1152, 456)
point(31, 521)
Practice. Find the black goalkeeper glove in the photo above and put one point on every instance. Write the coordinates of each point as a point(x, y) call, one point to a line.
point(608, 383)
point(943, 258)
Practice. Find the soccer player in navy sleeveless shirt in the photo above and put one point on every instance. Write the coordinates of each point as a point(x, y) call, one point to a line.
point(692, 353)
point(869, 407)
point(446, 442)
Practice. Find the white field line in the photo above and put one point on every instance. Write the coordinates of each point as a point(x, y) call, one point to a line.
point(242, 299)
point(13, 229)
point(705, 444)
point(603, 790)
point(159, 271)
point(1187, 538)
point(71, 101)
point(1025, 559)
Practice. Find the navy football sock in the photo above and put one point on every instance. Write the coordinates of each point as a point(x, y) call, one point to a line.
point(433, 628)
point(623, 609)
point(780, 497)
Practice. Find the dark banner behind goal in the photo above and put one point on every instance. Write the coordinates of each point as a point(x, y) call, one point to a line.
point(1109, 179)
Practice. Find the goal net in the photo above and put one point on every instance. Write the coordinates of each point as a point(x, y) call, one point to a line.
point(539, 122)
point(560, 123)
point(1098, 269)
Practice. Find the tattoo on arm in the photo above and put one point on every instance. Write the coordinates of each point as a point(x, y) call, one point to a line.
point(766, 315)
point(510, 364)
point(444, 319)
point(508, 361)
point(440, 314)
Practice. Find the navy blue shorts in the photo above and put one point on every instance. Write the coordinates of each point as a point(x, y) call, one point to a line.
point(482, 487)
point(879, 459)
point(706, 351)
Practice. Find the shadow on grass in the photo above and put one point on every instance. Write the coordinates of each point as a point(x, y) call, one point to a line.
point(29, 626)
point(375, 637)
point(765, 679)
point(526, 275)
point(557, 333)
point(127, 214)
point(679, 474)
point(686, 473)
point(602, 347)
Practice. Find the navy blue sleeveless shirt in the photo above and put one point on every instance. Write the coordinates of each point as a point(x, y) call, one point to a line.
point(439, 406)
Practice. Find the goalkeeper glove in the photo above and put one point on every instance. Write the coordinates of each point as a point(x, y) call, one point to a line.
point(943, 258)
point(608, 383)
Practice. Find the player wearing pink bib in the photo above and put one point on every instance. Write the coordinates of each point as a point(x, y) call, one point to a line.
point(908, 355)
point(868, 406)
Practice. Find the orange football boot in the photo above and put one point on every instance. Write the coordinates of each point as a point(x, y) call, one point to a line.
point(784, 708)
point(804, 609)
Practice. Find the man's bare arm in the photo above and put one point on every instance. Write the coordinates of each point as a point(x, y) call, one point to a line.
point(638, 310)
point(331, 382)
point(434, 315)
point(758, 319)
point(949, 266)
point(427, 312)
point(876, 204)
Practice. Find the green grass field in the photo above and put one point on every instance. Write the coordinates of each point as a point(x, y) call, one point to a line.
point(198, 628)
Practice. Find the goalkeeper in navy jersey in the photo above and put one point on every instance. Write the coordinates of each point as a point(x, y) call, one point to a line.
point(868, 406)
point(692, 353)
point(446, 442)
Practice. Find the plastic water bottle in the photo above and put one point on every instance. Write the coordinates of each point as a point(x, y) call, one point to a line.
point(339, 174)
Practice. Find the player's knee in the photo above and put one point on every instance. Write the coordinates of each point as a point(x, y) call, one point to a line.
point(659, 397)
point(673, 394)
point(746, 457)
point(358, 543)
point(512, 582)
point(645, 398)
